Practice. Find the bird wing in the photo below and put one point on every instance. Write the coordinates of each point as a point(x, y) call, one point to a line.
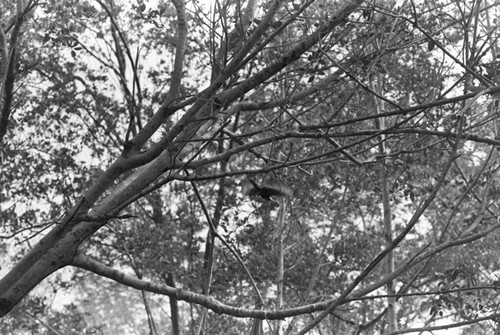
point(270, 191)
point(248, 188)
point(278, 188)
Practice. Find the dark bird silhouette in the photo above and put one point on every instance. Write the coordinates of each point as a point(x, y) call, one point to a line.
point(266, 191)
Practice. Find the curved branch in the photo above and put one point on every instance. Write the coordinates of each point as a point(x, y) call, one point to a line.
point(86, 263)
point(94, 266)
point(444, 134)
point(492, 91)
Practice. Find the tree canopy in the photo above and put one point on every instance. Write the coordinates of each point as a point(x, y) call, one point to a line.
point(251, 166)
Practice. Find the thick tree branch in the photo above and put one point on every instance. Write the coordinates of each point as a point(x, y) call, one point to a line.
point(8, 65)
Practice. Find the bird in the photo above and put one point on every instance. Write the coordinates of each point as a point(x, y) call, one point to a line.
point(266, 191)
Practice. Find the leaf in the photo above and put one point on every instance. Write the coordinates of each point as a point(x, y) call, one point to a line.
point(430, 45)
point(276, 24)
point(367, 14)
point(154, 13)
point(46, 38)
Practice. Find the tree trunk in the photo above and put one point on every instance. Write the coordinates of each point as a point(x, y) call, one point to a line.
point(174, 307)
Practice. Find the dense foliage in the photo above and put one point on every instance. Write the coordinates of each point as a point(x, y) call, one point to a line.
point(129, 130)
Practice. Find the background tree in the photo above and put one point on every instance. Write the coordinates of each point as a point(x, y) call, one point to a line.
point(129, 132)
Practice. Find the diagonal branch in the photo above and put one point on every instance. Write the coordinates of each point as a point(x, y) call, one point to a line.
point(413, 221)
